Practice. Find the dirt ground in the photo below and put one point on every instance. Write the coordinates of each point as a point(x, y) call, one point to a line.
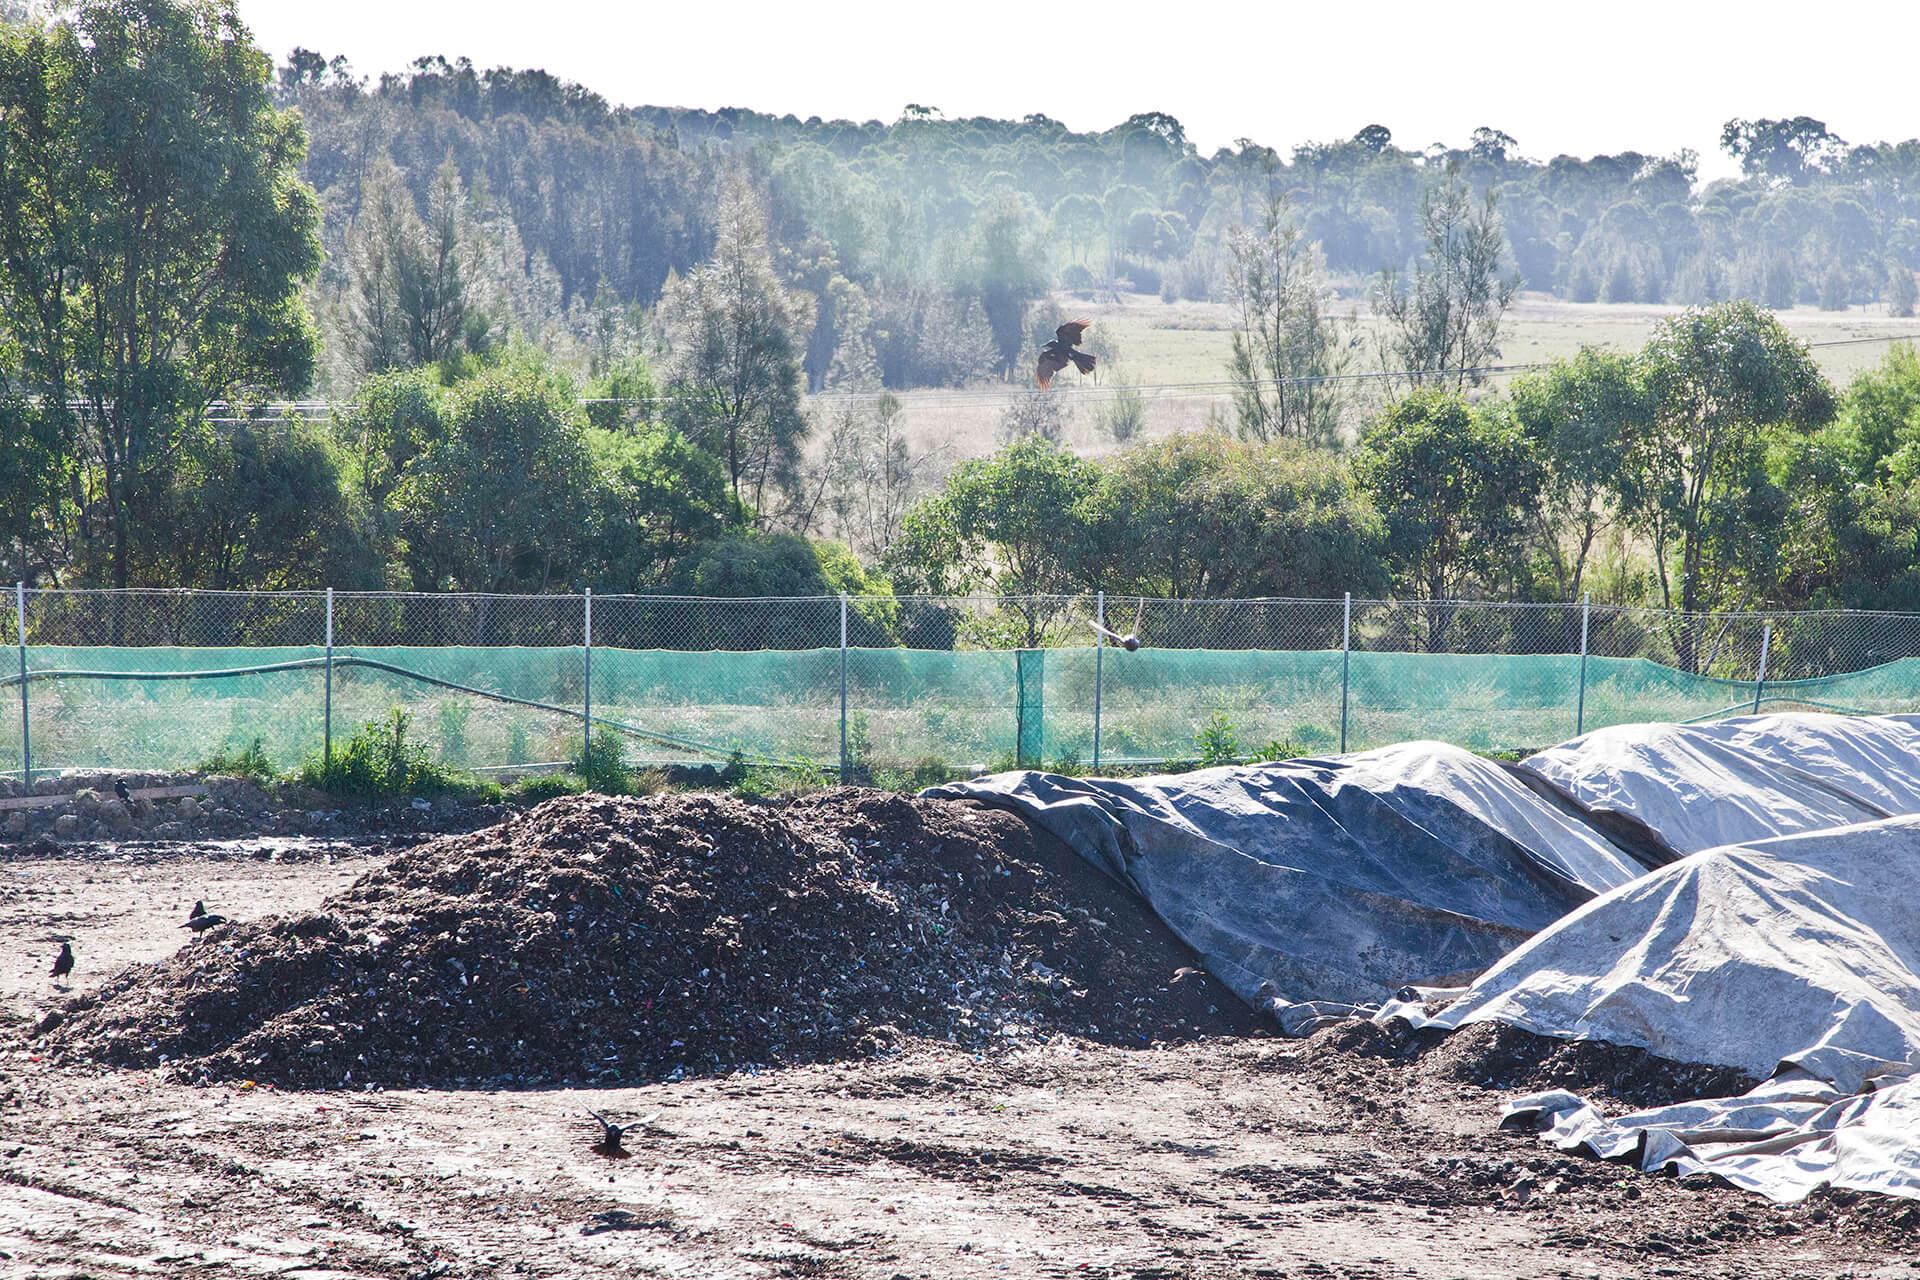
point(1228, 1157)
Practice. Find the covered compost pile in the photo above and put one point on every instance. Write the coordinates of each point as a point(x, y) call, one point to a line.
point(1337, 879)
point(1795, 958)
point(597, 939)
point(1699, 786)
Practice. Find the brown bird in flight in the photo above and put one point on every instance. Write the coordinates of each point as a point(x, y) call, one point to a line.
point(1055, 355)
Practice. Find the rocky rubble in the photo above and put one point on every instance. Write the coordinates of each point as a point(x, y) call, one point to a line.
point(226, 808)
point(597, 939)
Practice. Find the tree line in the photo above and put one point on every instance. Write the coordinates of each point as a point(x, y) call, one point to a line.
point(914, 247)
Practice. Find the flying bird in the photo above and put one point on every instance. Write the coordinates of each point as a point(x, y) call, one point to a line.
point(63, 963)
point(1130, 642)
point(120, 789)
point(610, 1136)
point(1056, 354)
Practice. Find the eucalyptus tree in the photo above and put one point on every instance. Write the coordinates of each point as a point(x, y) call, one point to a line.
point(1289, 353)
point(154, 235)
point(731, 365)
point(1443, 323)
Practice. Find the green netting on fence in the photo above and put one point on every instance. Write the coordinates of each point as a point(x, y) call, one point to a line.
point(483, 707)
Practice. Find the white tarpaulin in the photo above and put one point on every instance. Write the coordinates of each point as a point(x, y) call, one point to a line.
point(1700, 786)
point(1796, 957)
point(1785, 1139)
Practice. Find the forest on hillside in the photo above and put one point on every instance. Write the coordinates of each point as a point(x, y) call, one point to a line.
point(919, 244)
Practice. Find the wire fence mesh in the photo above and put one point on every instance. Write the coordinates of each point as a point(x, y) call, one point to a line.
point(155, 679)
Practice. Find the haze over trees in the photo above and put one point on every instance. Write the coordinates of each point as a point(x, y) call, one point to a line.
point(572, 344)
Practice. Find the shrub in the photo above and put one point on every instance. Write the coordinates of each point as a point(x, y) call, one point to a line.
point(764, 781)
point(1583, 287)
point(928, 771)
point(251, 763)
point(605, 767)
point(546, 787)
point(454, 713)
point(1124, 414)
point(1836, 290)
point(1198, 271)
point(1621, 286)
point(1902, 293)
point(1144, 277)
point(381, 760)
point(1216, 742)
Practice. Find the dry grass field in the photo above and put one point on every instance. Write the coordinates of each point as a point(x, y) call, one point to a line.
point(1166, 347)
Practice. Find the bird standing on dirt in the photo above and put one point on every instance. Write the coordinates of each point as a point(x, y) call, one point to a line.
point(120, 789)
point(610, 1136)
point(63, 963)
point(200, 920)
point(1056, 354)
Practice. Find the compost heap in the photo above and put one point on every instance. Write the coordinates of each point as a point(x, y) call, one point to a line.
point(601, 939)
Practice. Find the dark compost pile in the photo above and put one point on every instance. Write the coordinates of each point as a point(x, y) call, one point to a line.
point(597, 939)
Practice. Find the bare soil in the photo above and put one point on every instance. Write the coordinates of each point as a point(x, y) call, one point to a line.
point(1359, 1152)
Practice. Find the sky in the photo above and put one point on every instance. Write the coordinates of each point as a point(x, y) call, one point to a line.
point(1560, 78)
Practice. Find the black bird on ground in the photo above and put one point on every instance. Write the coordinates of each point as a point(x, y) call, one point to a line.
point(1056, 354)
point(610, 1136)
point(120, 789)
point(201, 920)
point(199, 909)
point(63, 963)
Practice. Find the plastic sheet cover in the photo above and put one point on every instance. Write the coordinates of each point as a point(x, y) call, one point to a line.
point(1336, 879)
point(1796, 958)
point(1700, 786)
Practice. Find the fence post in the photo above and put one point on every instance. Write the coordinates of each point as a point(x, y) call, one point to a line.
point(26, 742)
point(1760, 680)
point(1580, 711)
point(844, 762)
point(586, 687)
point(1346, 661)
point(326, 733)
point(1099, 656)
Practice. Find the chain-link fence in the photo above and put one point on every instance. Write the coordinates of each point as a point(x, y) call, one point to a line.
point(146, 680)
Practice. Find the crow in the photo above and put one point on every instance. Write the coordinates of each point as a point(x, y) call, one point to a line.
point(201, 920)
point(1055, 355)
point(199, 909)
point(63, 963)
point(120, 789)
point(610, 1135)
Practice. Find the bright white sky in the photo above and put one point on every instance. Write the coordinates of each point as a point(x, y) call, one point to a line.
point(1582, 79)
